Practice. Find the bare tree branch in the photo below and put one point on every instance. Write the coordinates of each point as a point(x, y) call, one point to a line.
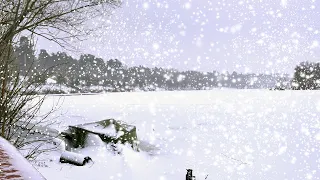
point(55, 20)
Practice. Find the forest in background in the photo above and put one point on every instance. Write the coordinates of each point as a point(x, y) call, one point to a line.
point(113, 75)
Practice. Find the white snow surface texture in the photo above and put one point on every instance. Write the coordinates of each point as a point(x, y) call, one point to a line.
point(225, 134)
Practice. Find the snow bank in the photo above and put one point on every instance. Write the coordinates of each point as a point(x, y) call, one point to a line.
point(26, 170)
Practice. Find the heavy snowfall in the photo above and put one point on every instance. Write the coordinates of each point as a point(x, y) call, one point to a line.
point(178, 89)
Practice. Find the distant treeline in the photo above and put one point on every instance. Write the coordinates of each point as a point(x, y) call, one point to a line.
point(306, 76)
point(89, 70)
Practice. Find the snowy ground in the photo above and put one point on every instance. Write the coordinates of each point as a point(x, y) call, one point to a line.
point(227, 134)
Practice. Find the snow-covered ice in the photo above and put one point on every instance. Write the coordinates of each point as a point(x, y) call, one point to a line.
point(225, 134)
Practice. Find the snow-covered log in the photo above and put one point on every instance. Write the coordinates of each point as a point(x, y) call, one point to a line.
point(74, 158)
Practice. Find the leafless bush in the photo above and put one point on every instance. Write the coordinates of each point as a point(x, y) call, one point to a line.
point(56, 20)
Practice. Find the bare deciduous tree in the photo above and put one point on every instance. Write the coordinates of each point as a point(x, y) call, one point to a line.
point(55, 20)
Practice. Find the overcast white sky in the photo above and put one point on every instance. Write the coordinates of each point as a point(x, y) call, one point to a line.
point(231, 35)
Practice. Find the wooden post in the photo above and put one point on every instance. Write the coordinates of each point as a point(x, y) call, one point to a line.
point(189, 174)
